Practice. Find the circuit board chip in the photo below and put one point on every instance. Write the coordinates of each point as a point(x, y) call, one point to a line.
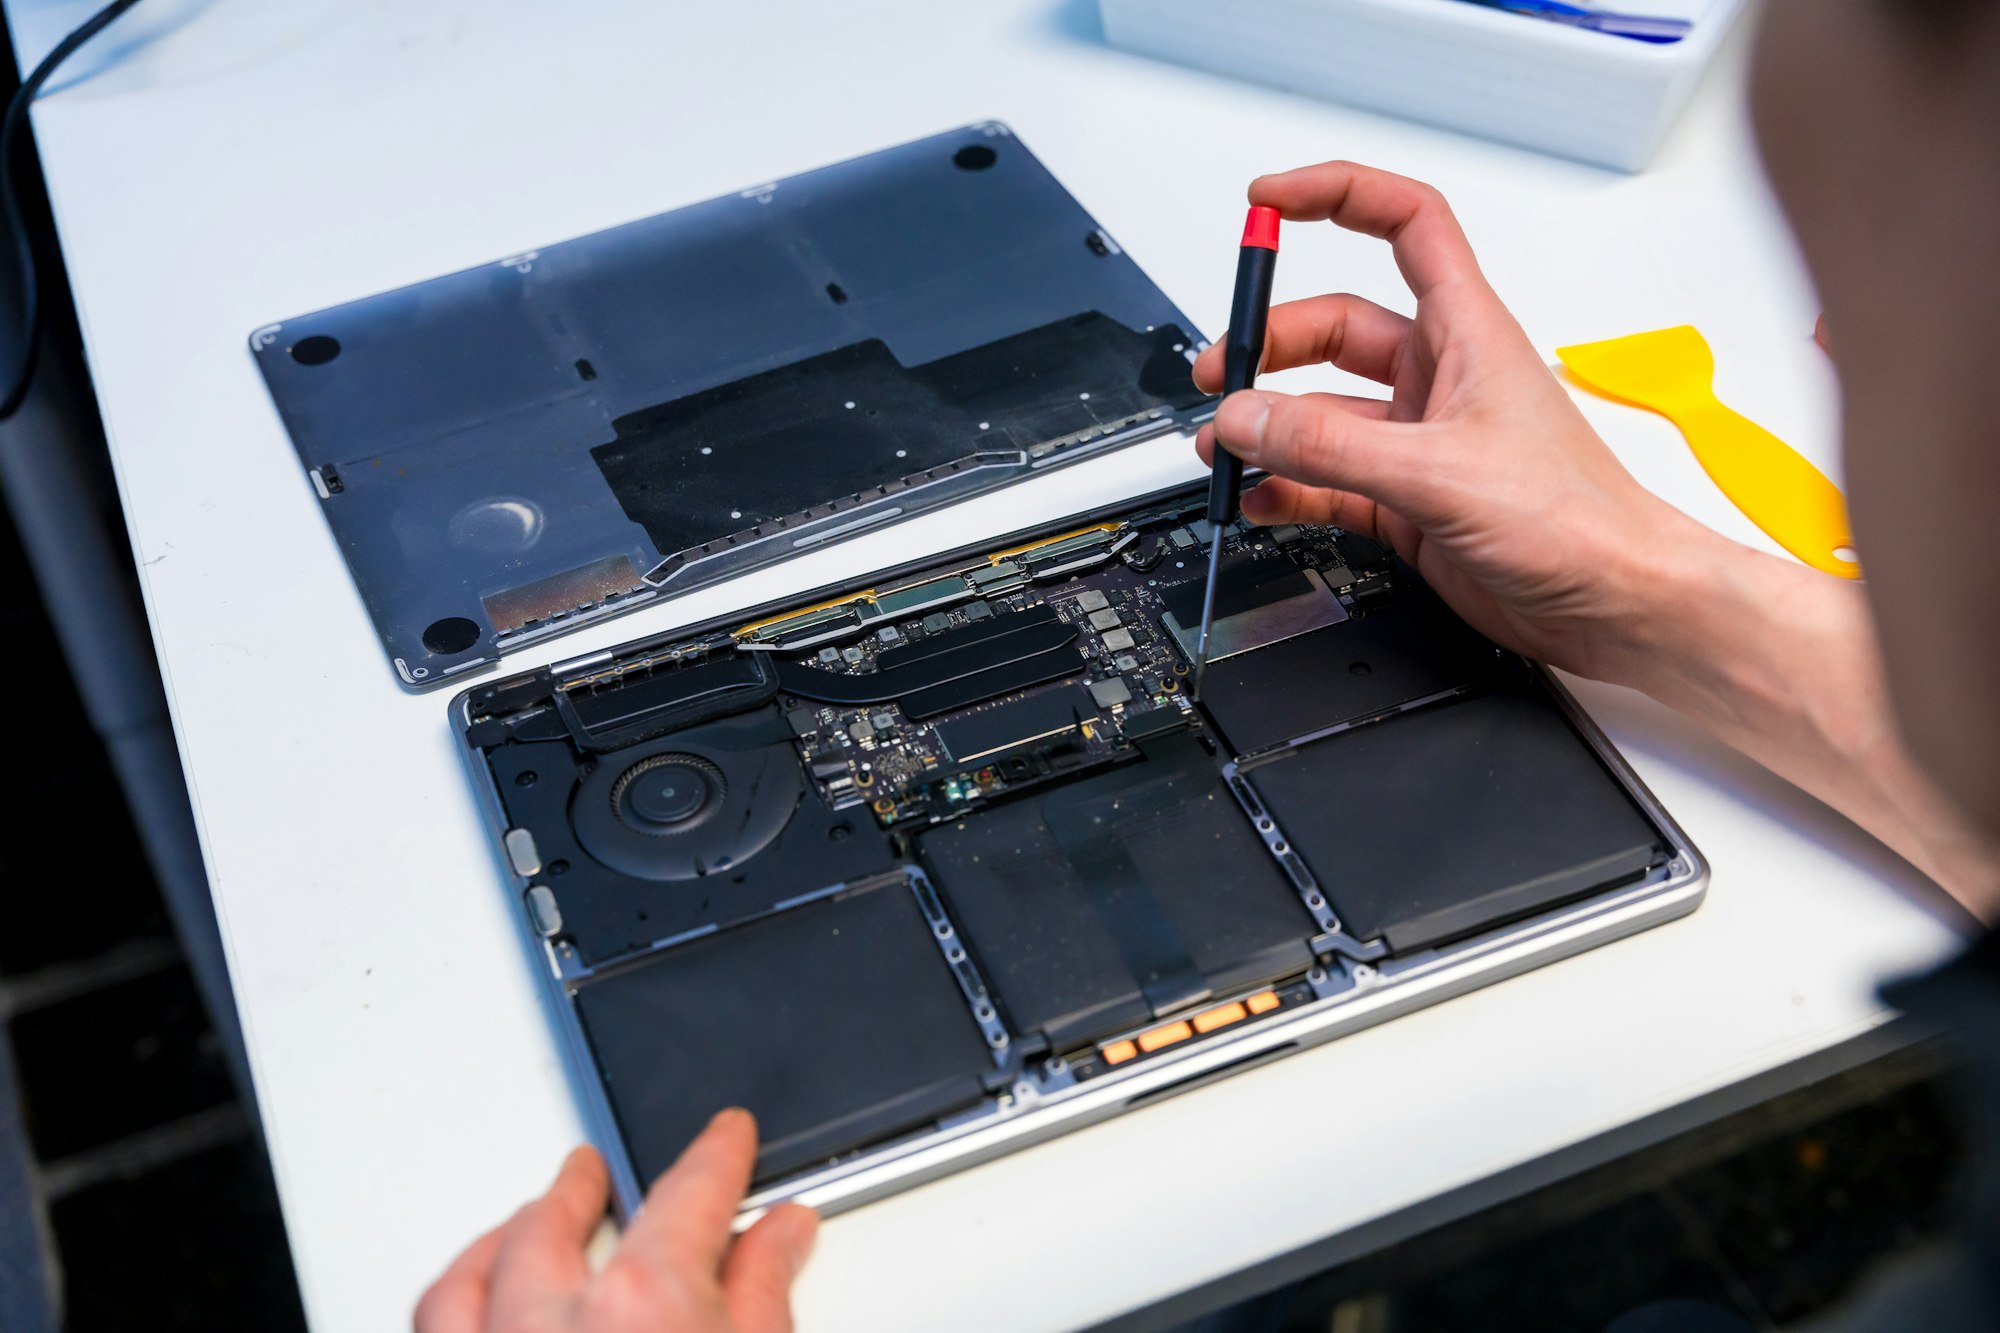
point(1111, 692)
point(986, 732)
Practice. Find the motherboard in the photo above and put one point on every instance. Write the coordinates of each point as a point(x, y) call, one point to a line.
point(922, 700)
point(1099, 648)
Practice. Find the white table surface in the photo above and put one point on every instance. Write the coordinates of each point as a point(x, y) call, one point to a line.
point(217, 164)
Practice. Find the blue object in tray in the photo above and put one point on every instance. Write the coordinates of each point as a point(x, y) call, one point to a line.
point(1638, 27)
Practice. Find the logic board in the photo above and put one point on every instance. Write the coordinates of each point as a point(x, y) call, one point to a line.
point(1130, 681)
point(880, 723)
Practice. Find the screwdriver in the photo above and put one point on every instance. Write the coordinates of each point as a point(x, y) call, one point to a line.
point(1242, 351)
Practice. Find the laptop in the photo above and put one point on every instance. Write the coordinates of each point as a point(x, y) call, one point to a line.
point(929, 866)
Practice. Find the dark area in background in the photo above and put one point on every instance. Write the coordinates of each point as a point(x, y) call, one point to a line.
point(153, 1183)
point(159, 1195)
point(1766, 1218)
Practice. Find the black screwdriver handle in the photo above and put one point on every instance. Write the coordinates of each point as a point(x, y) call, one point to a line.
point(1242, 353)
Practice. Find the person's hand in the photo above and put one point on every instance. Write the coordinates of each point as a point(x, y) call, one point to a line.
point(1478, 470)
point(675, 1268)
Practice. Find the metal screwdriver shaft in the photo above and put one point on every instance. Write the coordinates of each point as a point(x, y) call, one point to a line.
point(1207, 611)
point(1242, 351)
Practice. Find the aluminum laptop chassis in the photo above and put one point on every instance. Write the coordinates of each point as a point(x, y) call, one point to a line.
point(514, 451)
point(1298, 591)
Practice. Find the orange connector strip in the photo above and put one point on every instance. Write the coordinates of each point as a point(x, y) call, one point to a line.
point(1220, 1017)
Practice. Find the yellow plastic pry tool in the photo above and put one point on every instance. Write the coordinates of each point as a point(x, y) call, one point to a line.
point(1672, 372)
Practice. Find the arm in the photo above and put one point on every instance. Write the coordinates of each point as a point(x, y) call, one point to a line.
point(1480, 471)
point(1781, 662)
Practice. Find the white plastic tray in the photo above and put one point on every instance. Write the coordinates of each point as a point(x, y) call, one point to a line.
point(1588, 95)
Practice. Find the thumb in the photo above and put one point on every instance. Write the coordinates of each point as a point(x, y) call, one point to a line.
point(1314, 438)
point(757, 1277)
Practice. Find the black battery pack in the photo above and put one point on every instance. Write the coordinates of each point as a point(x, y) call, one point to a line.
point(837, 1023)
point(1450, 820)
point(1123, 898)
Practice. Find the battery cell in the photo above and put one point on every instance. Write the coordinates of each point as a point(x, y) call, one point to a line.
point(1133, 895)
point(836, 1022)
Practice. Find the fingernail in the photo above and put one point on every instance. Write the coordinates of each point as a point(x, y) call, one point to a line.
point(1239, 423)
point(805, 1235)
point(730, 1114)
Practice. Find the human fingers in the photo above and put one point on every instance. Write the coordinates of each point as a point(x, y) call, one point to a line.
point(686, 1221)
point(757, 1276)
point(1349, 331)
point(1430, 247)
point(541, 1247)
point(1374, 409)
point(456, 1302)
point(1317, 439)
point(1276, 500)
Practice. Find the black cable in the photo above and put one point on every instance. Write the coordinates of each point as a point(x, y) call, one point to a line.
point(17, 224)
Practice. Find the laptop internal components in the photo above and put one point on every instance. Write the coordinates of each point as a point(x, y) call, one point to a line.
point(923, 869)
point(681, 833)
point(1406, 645)
point(1257, 603)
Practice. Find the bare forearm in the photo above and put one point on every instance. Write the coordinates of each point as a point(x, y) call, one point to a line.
point(1782, 663)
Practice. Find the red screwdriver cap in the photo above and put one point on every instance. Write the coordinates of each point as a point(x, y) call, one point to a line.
point(1261, 228)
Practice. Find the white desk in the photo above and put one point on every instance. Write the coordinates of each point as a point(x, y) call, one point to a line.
point(216, 164)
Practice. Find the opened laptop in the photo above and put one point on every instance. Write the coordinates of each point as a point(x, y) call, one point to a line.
point(929, 866)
